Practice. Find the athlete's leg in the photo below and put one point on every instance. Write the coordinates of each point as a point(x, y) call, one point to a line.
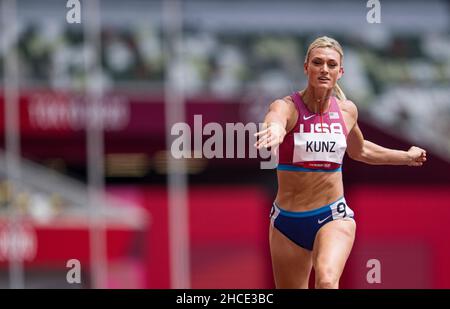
point(291, 264)
point(332, 247)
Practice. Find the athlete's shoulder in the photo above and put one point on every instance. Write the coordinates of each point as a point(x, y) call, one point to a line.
point(348, 106)
point(285, 102)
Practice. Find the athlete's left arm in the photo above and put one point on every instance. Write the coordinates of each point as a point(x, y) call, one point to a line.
point(368, 152)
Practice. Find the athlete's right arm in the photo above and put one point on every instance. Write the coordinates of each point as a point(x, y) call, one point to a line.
point(277, 122)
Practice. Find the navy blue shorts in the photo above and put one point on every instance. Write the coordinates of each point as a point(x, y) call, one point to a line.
point(302, 227)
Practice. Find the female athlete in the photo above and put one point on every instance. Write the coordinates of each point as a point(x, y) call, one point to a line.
point(311, 130)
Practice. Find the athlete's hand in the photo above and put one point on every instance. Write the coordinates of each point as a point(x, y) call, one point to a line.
point(417, 156)
point(272, 135)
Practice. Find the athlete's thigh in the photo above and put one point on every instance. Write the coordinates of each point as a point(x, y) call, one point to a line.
point(332, 246)
point(291, 263)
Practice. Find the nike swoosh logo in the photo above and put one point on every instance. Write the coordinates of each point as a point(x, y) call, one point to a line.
point(306, 118)
point(321, 221)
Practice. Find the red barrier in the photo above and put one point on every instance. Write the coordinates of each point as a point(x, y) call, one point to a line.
point(406, 228)
point(229, 226)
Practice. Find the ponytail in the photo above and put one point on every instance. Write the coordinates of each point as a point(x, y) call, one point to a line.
point(339, 93)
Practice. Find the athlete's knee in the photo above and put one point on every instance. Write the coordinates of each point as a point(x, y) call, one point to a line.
point(326, 278)
point(327, 284)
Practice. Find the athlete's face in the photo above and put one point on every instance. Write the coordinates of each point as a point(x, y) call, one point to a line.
point(323, 67)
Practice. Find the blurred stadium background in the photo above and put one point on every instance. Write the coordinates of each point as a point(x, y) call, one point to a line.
point(114, 199)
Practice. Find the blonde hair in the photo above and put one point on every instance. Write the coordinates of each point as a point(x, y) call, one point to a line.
point(323, 42)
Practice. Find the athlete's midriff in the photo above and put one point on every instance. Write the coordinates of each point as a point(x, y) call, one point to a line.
point(301, 191)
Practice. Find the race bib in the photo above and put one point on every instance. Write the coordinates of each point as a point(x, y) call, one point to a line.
point(329, 147)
